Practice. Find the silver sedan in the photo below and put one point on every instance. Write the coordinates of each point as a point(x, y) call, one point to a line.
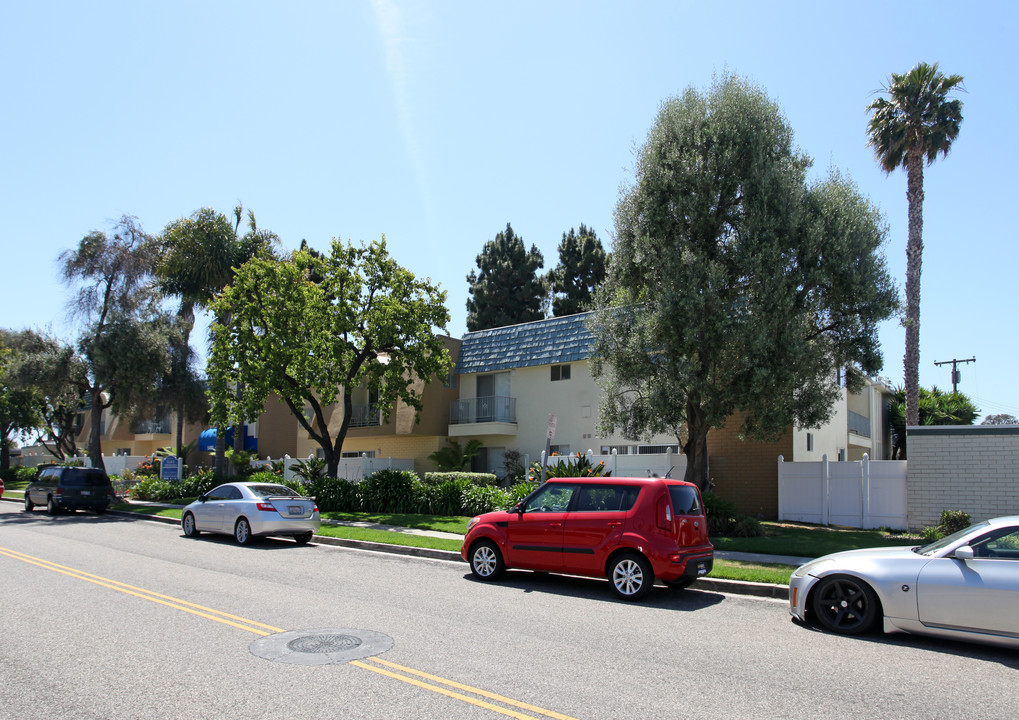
point(964, 587)
point(248, 510)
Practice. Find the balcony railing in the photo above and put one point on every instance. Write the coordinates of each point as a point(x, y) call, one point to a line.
point(483, 410)
point(859, 424)
point(152, 427)
point(365, 416)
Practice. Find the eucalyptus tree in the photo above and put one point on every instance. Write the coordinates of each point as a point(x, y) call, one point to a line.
point(506, 289)
point(912, 126)
point(314, 328)
point(18, 407)
point(735, 286)
point(122, 344)
point(581, 270)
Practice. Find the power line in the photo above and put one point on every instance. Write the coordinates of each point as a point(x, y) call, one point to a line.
point(956, 375)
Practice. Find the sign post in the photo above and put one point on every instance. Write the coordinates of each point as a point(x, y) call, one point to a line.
point(549, 434)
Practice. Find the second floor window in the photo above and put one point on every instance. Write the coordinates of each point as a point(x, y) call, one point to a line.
point(560, 372)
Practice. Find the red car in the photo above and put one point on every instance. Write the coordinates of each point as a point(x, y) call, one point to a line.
point(629, 530)
point(1, 487)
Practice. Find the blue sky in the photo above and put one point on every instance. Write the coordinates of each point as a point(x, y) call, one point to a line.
point(436, 123)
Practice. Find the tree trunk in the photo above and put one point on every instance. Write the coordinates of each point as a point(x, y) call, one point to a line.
point(5, 453)
point(914, 252)
point(180, 428)
point(219, 464)
point(696, 447)
point(95, 438)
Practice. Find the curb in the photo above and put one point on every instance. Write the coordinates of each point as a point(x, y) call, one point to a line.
point(734, 587)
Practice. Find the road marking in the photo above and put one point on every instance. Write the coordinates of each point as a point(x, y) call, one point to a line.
point(172, 602)
point(263, 630)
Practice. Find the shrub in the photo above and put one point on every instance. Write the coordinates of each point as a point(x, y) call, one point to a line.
point(311, 469)
point(438, 478)
point(520, 490)
point(156, 490)
point(725, 521)
point(198, 483)
point(393, 491)
point(952, 521)
point(578, 465)
point(334, 494)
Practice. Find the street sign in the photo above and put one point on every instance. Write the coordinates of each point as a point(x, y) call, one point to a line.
point(169, 469)
point(550, 433)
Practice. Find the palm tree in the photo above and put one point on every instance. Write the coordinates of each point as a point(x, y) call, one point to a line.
point(917, 121)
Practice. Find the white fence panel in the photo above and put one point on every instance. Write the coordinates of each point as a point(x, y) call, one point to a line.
point(861, 494)
point(352, 469)
point(650, 465)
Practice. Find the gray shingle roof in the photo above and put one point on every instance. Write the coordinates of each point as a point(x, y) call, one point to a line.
point(544, 342)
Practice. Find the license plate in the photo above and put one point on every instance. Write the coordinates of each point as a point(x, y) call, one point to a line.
point(86, 492)
point(296, 510)
point(702, 568)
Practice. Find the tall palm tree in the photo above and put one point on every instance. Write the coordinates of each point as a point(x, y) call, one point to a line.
point(915, 122)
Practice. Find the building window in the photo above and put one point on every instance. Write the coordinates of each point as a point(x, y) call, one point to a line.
point(561, 450)
point(357, 454)
point(656, 449)
point(560, 372)
point(810, 442)
point(452, 380)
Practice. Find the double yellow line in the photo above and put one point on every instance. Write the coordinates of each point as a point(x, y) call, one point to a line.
point(404, 674)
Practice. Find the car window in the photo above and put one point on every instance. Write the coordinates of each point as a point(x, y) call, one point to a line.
point(606, 498)
point(685, 500)
point(1002, 544)
point(551, 498)
point(85, 477)
point(264, 491)
point(222, 493)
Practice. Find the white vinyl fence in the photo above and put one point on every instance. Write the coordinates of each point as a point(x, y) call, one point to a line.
point(860, 494)
point(352, 469)
point(650, 465)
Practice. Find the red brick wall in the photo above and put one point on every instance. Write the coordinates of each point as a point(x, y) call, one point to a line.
point(746, 471)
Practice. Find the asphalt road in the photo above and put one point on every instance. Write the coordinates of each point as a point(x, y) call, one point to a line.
point(107, 617)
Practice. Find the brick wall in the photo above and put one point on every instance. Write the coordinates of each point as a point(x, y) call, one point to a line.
point(747, 472)
point(974, 469)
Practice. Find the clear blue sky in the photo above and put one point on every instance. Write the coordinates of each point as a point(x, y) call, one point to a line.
point(436, 123)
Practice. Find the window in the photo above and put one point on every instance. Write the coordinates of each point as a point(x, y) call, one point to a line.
point(810, 442)
point(561, 450)
point(551, 498)
point(560, 372)
point(358, 453)
point(602, 498)
point(656, 449)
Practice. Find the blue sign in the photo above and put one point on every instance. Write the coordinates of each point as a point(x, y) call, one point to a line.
point(169, 469)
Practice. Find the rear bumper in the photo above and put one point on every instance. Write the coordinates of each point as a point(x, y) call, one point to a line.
point(284, 526)
point(684, 563)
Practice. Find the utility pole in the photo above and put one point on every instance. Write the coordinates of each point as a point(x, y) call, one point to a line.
point(956, 375)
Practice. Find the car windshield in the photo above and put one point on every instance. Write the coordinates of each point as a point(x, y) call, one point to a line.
point(944, 542)
point(264, 491)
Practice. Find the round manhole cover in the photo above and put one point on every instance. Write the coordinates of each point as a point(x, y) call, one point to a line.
point(323, 643)
point(321, 647)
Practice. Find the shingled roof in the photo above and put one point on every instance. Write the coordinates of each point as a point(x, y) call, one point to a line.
point(543, 342)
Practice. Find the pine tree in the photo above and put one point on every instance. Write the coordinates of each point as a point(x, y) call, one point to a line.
point(507, 289)
point(581, 270)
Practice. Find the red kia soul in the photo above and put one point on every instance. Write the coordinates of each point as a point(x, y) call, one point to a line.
point(629, 530)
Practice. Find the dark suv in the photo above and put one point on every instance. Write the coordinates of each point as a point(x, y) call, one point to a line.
point(69, 489)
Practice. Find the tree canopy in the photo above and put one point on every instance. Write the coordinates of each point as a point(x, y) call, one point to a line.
point(18, 406)
point(581, 270)
point(506, 289)
point(735, 285)
point(915, 123)
point(363, 322)
point(937, 407)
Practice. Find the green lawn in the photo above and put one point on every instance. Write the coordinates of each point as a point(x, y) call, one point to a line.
point(811, 540)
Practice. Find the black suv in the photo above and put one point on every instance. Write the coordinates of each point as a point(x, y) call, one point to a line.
point(69, 489)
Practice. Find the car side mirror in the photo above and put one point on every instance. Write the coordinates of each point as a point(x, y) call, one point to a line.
point(202, 498)
point(964, 553)
point(519, 508)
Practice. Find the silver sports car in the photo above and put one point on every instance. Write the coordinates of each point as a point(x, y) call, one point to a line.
point(247, 510)
point(965, 587)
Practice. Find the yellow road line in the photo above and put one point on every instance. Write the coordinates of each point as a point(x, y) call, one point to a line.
point(172, 602)
point(262, 629)
point(468, 688)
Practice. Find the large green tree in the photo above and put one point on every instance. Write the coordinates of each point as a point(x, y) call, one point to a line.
point(734, 286)
point(936, 408)
point(123, 342)
point(198, 257)
point(313, 329)
point(912, 126)
point(506, 289)
point(18, 406)
point(581, 271)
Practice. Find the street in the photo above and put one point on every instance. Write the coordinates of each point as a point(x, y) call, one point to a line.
point(107, 617)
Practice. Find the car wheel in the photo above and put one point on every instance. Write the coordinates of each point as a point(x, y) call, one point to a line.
point(680, 584)
point(187, 524)
point(845, 605)
point(242, 532)
point(100, 510)
point(29, 505)
point(51, 507)
point(486, 560)
point(304, 538)
point(631, 576)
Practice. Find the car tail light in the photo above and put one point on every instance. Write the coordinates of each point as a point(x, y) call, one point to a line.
point(267, 507)
point(315, 509)
point(664, 513)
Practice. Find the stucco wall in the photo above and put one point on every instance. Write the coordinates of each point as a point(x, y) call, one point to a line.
point(974, 469)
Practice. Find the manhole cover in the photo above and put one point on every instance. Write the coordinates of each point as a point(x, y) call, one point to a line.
point(323, 643)
point(321, 647)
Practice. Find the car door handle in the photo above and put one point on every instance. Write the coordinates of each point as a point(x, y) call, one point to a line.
point(615, 523)
point(555, 525)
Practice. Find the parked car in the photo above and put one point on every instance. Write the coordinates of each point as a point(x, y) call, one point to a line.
point(629, 530)
point(248, 510)
point(66, 489)
point(1, 487)
point(964, 587)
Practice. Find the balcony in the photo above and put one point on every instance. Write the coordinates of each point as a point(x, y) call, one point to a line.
point(148, 429)
point(494, 415)
point(859, 424)
point(365, 416)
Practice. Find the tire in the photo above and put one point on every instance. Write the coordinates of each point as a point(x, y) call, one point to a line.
point(845, 605)
point(680, 584)
point(51, 507)
point(100, 511)
point(486, 560)
point(29, 505)
point(304, 538)
point(187, 524)
point(630, 576)
point(242, 532)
